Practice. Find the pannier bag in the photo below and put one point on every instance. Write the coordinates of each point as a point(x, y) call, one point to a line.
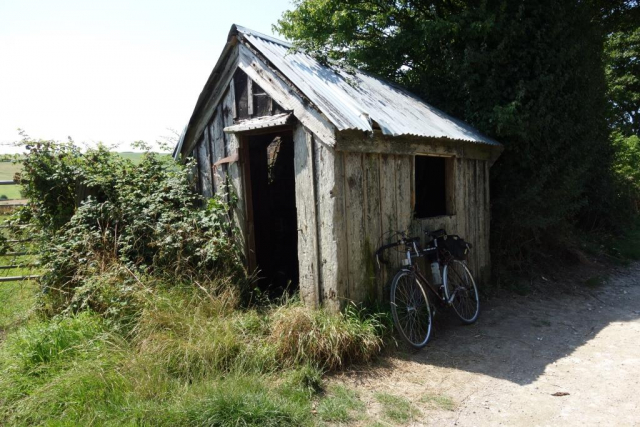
point(455, 245)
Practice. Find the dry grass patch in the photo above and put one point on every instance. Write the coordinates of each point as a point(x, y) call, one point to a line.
point(301, 334)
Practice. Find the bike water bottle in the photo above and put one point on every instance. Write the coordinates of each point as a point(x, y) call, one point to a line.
point(435, 272)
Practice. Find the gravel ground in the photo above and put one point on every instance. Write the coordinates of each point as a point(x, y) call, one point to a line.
point(562, 359)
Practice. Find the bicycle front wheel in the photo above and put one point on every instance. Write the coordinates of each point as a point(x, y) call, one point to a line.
point(410, 309)
point(461, 291)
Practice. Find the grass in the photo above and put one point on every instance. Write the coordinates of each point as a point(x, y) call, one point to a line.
point(7, 172)
point(395, 408)
point(438, 401)
point(340, 405)
point(10, 192)
point(190, 360)
point(16, 302)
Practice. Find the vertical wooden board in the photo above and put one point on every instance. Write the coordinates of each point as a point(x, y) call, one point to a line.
point(476, 216)
point(203, 162)
point(233, 169)
point(457, 227)
point(450, 181)
point(331, 235)
point(487, 222)
point(482, 221)
point(206, 170)
point(403, 183)
point(214, 131)
point(217, 142)
point(354, 209)
point(388, 216)
point(340, 230)
point(469, 216)
point(306, 214)
point(479, 213)
point(250, 97)
point(372, 217)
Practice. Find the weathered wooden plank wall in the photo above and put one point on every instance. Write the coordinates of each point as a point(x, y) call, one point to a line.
point(329, 179)
point(378, 191)
point(306, 212)
point(215, 145)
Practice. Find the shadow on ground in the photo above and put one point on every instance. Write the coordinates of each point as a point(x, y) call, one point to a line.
point(517, 337)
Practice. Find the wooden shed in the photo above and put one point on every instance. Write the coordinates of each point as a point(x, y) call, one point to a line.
point(326, 162)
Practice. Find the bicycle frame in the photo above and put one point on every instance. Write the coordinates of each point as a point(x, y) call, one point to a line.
point(415, 269)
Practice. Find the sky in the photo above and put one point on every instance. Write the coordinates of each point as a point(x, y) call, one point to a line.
point(112, 71)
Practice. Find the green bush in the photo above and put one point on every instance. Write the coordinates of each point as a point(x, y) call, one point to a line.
point(627, 166)
point(95, 210)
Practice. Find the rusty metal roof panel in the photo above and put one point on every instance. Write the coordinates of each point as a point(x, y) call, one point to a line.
point(356, 100)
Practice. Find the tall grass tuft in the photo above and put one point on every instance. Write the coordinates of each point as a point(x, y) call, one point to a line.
point(328, 340)
point(44, 342)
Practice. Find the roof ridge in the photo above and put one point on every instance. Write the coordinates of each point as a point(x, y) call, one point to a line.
point(235, 28)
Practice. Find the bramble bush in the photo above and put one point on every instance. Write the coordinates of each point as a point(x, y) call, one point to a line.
point(103, 221)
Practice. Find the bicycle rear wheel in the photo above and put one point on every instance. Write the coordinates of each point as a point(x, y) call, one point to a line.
point(410, 309)
point(461, 291)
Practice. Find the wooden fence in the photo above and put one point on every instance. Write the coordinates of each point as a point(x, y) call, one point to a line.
point(19, 248)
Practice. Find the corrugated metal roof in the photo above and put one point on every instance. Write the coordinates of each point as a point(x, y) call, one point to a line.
point(259, 123)
point(353, 101)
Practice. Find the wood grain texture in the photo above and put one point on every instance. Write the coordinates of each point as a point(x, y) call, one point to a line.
point(306, 213)
point(372, 226)
point(234, 173)
point(340, 230)
point(328, 199)
point(285, 96)
point(355, 222)
point(404, 174)
point(362, 142)
point(207, 190)
point(388, 214)
point(203, 165)
point(218, 144)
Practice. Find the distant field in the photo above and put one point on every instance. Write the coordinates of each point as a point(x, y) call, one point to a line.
point(9, 169)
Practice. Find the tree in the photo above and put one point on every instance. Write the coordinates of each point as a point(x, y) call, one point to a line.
point(528, 73)
point(623, 76)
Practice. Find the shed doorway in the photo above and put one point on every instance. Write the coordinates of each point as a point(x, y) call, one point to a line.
point(273, 211)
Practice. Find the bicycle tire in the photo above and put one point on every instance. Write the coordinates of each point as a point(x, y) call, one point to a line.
point(410, 309)
point(459, 282)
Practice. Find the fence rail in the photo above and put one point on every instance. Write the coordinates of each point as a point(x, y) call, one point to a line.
point(17, 278)
point(12, 264)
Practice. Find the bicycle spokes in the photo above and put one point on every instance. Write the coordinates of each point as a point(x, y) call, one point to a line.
point(412, 310)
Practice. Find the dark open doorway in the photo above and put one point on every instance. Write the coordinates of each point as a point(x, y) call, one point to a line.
point(274, 211)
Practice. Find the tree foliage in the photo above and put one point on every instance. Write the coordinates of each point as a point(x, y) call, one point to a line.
point(623, 77)
point(528, 73)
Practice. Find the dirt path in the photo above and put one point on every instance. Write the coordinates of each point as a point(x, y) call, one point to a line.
point(506, 369)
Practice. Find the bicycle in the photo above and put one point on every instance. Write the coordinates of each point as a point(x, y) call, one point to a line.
point(410, 306)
